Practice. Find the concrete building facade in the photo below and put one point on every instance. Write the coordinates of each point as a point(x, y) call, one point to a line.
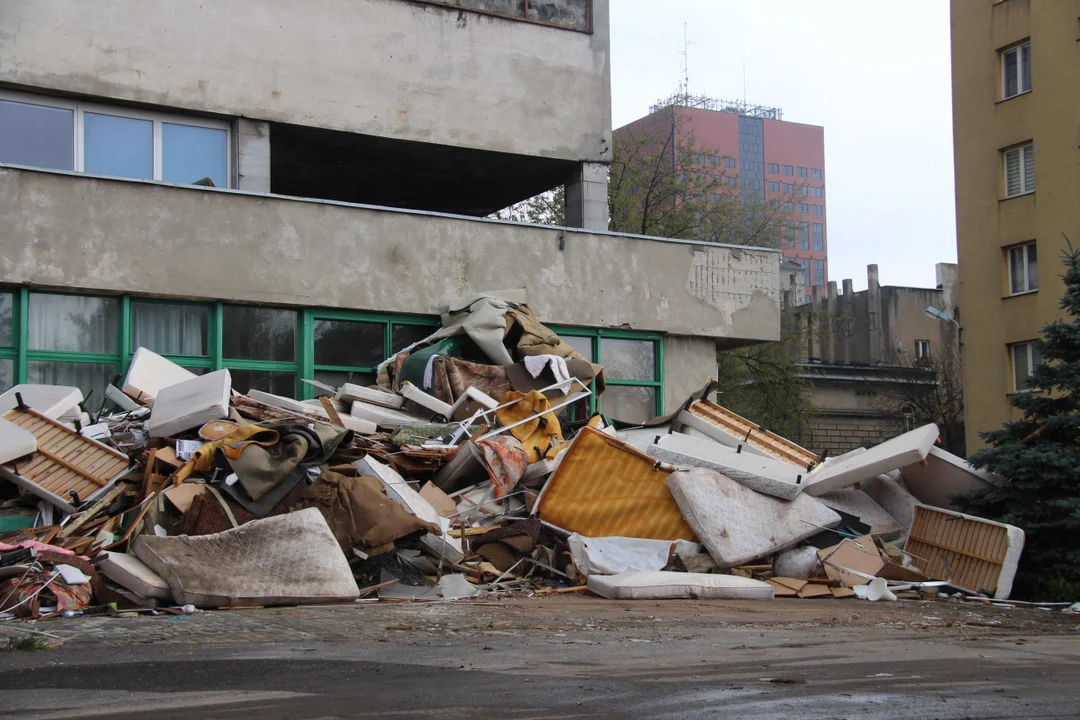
point(868, 354)
point(758, 152)
point(1016, 67)
point(295, 191)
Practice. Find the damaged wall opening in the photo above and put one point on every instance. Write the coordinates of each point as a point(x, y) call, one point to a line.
point(349, 167)
point(86, 340)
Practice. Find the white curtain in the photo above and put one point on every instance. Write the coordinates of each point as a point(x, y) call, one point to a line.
point(169, 329)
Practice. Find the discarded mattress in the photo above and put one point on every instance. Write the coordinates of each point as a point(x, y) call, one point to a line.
point(15, 442)
point(970, 553)
point(889, 492)
point(943, 476)
point(191, 404)
point(133, 574)
point(55, 402)
point(727, 428)
point(149, 374)
point(281, 560)
point(614, 555)
point(756, 472)
point(605, 488)
point(901, 451)
point(736, 524)
point(858, 503)
point(664, 585)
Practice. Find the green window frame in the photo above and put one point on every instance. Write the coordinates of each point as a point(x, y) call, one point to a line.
point(597, 336)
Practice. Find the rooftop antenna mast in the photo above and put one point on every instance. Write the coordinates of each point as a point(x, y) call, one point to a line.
point(685, 52)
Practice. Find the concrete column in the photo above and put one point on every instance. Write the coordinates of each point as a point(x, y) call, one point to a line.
point(848, 327)
point(253, 155)
point(832, 307)
point(877, 319)
point(587, 197)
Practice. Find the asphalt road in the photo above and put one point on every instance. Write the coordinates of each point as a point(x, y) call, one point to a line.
point(558, 661)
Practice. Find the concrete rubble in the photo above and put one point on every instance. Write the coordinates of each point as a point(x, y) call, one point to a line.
point(454, 479)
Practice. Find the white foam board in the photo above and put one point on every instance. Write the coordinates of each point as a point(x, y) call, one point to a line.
point(149, 374)
point(757, 472)
point(132, 573)
point(191, 404)
point(15, 442)
point(52, 401)
point(943, 476)
point(737, 525)
point(423, 399)
point(901, 451)
point(663, 585)
point(403, 494)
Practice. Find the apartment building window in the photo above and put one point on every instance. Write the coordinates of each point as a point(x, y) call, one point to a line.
point(804, 208)
point(774, 186)
point(699, 159)
point(789, 207)
point(816, 192)
point(1025, 358)
point(729, 162)
point(804, 236)
point(789, 170)
point(922, 349)
point(815, 209)
point(731, 181)
point(802, 172)
point(819, 273)
point(714, 160)
point(819, 237)
point(1019, 170)
point(774, 168)
point(815, 174)
point(1023, 269)
point(806, 272)
point(789, 188)
point(803, 190)
point(59, 134)
point(1016, 70)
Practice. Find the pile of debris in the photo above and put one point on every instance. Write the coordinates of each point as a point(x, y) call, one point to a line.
point(463, 473)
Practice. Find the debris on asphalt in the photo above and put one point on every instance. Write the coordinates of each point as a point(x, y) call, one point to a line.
point(473, 469)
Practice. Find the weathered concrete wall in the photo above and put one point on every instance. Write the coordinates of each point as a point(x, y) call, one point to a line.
point(689, 363)
point(390, 68)
point(75, 231)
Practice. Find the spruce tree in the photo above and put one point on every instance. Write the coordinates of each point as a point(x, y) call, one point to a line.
point(1039, 458)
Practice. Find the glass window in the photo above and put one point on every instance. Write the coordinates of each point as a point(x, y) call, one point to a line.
point(276, 383)
point(584, 345)
point(803, 190)
point(774, 168)
point(789, 207)
point(336, 379)
point(729, 162)
point(774, 186)
point(1025, 358)
point(170, 328)
point(815, 174)
point(37, 135)
point(806, 272)
point(628, 359)
point(819, 273)
point(819, 237)
point(789, 188)
point(1019, 170)
point(922, 349)
point(804, 236)
point(7, 320)
point(804, 208)
point(190, 153)
point(253, 333)
point(120, 146)
point(88, 377)
point(405, 335)
point(1016, 70)
point(815, 209)
point(789, 170)
point(1023, 269)
point(802, 172)
point(73, 323)
point(629, 403)
point(346, 343)
point(7, 375)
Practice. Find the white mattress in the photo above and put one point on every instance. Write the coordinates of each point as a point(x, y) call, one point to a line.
point(662, 585)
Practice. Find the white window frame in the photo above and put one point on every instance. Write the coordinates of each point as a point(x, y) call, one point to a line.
point(1027, 278)
point(922, 349)
point(81, 108)
point(1020, 90)
point(1023, 150)
point(1029, 348)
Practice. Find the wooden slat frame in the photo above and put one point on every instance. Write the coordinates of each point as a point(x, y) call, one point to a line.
point(768, 442)
point(968, 553)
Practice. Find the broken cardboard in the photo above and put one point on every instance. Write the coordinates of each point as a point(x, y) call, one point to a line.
point(860, 555)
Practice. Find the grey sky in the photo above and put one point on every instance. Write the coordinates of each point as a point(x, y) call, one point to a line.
point(875, 74)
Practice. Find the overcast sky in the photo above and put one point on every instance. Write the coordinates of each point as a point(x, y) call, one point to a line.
point(875, 74)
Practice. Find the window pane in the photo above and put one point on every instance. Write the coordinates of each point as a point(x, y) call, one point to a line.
point(7, 375)
point(73, 323)
point(1025, 68)
point(337, 379)
point(349, 344)
point(276, 383)
point(1016, 270)
point(1021, 368)
point(629, 404)
point(1029, 168)
point(170, 329)
point(7, 310)
point(88, 377)
point(252, 333)
point(1032, 267)
point(584, 345)
point(405, 335)
point(118, 146)
point(37, 135)
point(628, 359)
point(1012, 172)
point(1010, 73)
point(190, 153)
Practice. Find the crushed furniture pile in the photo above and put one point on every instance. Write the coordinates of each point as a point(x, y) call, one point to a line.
point(470, 470)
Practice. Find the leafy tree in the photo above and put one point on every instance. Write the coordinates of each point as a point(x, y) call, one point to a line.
point(1039, 458)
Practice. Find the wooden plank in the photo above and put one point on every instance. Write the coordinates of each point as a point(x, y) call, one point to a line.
point(331, 411)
